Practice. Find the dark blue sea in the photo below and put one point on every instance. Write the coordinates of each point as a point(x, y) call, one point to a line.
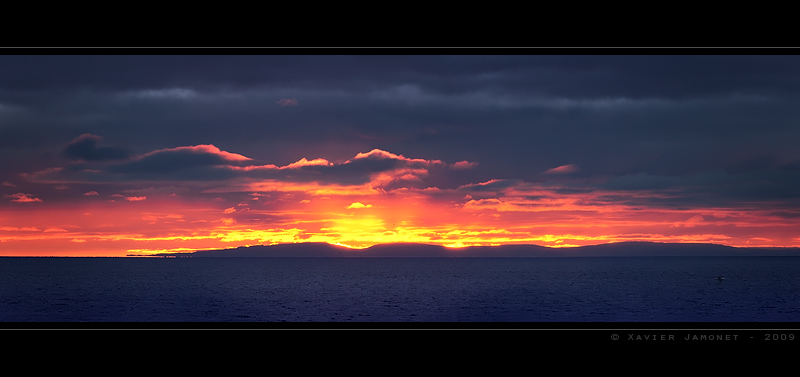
point(610, 289)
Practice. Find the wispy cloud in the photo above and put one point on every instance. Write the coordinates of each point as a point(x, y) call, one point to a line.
point(287, 102)
point(563, 169)
point(358, 205)
point(691, 222)
point(22, 198)
point(169, 93)
point(463, 165)
point(204, 149)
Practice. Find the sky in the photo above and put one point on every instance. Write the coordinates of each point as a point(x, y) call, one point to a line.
point(134, 155)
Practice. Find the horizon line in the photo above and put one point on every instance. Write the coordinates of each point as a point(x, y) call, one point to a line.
point(449, 248)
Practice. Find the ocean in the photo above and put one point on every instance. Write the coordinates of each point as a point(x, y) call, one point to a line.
point(361, 289)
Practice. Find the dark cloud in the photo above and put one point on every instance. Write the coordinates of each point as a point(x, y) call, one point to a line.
point(209, 163)
point(85, 148)
point(554, 76)
point(772, 188)
point(786, 214)
point(169, 162)
point(712, 128)
point(642, 181)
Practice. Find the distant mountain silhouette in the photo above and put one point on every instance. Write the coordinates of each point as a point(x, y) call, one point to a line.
point(621, 249)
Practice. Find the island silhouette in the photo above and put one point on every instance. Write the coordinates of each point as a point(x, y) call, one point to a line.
point(619, 249)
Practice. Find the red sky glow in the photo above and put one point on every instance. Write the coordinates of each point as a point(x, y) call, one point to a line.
point(154, 220)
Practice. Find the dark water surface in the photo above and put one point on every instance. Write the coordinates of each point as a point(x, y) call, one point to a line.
point(636, 289)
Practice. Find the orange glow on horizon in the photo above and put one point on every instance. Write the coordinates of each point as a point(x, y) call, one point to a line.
point(168, 224)
point(247, 212)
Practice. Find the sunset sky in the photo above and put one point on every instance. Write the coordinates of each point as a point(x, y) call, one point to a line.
point(119, 155)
